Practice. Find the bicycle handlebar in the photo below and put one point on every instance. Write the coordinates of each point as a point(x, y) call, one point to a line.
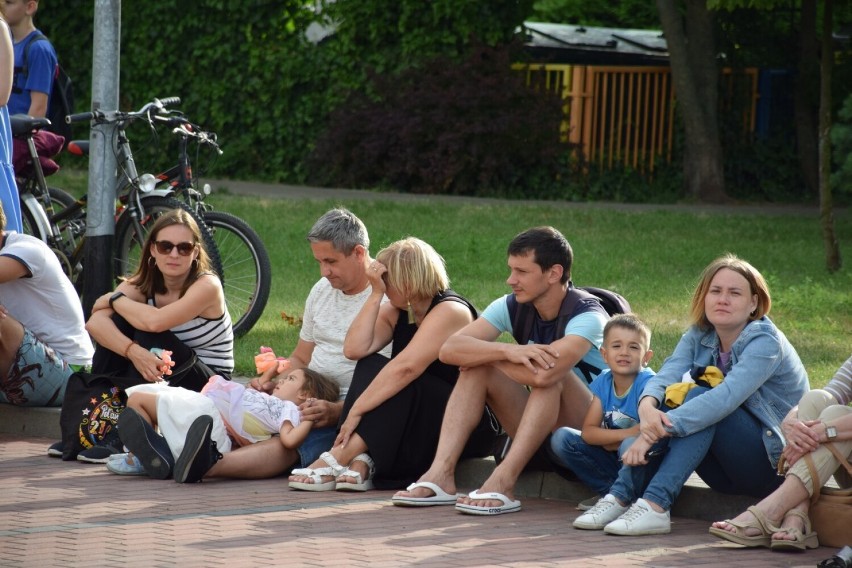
point(80, 117)
point(107, 117)
point(181, 126)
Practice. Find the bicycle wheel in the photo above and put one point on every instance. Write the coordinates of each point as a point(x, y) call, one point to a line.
point(128, 245)
point(63, 239)
point(60, 199)
point(246, 270)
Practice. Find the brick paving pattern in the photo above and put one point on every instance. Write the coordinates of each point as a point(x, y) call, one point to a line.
point(55, 513)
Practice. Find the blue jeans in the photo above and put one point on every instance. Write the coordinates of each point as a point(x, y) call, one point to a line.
point(595, 466)
point(729, 456)
point(319, 440)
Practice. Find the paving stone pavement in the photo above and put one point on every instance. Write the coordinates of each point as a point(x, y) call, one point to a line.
point(55, 513)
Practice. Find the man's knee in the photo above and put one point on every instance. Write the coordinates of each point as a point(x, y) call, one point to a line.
point(11, 335)
point(475, 375)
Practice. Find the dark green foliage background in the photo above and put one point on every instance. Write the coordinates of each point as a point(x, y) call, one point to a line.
point(245, 70)
point(474, 128)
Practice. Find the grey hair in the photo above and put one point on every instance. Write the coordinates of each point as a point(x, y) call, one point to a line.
point(342, 228)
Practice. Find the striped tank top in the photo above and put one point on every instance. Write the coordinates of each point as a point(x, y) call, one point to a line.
point(211, 339)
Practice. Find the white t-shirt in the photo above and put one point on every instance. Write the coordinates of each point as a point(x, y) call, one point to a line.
point(328, 315)
point(252, 414)
point(46, 302)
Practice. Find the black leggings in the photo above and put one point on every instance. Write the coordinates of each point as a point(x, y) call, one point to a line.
point(189, 372)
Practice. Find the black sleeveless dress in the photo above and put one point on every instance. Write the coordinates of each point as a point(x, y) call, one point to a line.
point(402, 432)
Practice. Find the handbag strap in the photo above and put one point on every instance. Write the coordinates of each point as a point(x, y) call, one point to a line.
point(840, 457)
point(814, 477)
point(812, 468)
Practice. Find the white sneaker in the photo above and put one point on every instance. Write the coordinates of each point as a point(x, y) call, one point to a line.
point(607, 509)
point(639, 520)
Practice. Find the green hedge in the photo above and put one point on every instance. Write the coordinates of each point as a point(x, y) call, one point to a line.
point(245, 69)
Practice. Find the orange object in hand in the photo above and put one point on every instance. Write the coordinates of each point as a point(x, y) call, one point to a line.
point(266, 359)
point(166, 357)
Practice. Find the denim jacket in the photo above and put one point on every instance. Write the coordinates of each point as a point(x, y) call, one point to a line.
point(766, 378)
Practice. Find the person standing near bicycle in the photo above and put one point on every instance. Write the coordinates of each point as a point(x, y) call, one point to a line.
point(43, 339)
point(35, 60)
point(9, 197)
point(35, 66)
point(174, 302)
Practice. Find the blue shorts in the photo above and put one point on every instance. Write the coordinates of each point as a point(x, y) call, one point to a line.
point(319, 440)
point(38, 376)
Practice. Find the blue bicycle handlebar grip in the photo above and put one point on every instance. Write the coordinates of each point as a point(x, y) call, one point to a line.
point(80, 117)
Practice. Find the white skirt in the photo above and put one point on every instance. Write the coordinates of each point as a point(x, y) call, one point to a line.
point(177, 409)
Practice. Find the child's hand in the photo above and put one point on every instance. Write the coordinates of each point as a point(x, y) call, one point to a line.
point(266, 360)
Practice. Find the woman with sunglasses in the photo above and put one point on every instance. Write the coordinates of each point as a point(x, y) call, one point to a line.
point(174, 301)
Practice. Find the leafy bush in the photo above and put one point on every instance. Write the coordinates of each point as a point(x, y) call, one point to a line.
point(841, 140)
point(472, 128)
point(765, 170)
point(627, 185)
point(247, 71)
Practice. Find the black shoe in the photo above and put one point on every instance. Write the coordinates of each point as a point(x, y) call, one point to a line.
point(199, 452)
point(56, 450)
point(100, 453)
point(142, 440)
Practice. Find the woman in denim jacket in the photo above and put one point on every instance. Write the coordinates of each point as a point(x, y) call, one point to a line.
point(731, 434)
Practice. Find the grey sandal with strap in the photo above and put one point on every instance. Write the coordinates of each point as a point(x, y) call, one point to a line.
point(360, 484)
point(739, 535)
point(802, 539)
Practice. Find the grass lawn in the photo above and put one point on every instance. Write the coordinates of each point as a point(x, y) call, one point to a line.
point(653, 258)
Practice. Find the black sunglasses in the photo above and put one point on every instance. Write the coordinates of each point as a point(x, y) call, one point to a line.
point(165, 247)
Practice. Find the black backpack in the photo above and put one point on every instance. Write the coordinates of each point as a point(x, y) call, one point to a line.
point(522, 316)
point(61, 101)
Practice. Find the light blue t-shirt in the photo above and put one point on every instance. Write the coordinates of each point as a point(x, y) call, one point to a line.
point(588, 325)
point(620, 412)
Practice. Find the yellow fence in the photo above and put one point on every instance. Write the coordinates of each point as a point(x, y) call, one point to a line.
point(625, 115)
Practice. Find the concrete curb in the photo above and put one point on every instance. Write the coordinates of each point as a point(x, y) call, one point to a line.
point(696, 501)
point(343, 196)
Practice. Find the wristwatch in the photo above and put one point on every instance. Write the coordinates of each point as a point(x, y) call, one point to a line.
point(830, 432)
point(115, 297)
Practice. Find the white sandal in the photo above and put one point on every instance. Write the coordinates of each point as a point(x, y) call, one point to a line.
point(334, 470)
point(359, 485)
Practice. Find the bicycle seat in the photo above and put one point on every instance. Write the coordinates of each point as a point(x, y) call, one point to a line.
point(79, 147)
point(24, 124)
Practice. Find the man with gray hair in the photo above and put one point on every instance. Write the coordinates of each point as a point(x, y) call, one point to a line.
point(340, 244)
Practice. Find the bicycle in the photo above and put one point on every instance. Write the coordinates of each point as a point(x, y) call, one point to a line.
point(244, 265)
point(55, 217)
point(40, 203)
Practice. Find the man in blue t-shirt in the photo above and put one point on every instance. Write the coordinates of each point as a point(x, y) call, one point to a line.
point(31, 85)
point(533, 387)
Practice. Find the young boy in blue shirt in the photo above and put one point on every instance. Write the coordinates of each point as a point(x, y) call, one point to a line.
point(593, 453)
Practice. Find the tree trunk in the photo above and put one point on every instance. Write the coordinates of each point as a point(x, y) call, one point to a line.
point(826, 208)
point(695, 75)
point(806, 98)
